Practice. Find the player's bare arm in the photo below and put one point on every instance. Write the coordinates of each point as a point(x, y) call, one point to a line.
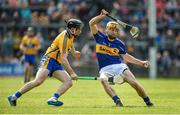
point(133, 60)
point(67, 66)
point(22, 47)
point(95, 20)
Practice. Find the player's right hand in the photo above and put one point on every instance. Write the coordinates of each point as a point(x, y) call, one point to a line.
point(77, 54)
point(104, 12)
point(145, 64)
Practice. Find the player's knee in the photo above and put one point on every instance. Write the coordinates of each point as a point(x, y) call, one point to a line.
point(27, 65)
point(104, 83)
point(38, 82)
point(69, 83)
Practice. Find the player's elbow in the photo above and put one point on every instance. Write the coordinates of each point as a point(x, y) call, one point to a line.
point(91, 23)
point(63, 58)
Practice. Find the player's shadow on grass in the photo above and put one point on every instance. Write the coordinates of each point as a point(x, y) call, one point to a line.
point(129, 106)
point(86, 106)
point(133, 106)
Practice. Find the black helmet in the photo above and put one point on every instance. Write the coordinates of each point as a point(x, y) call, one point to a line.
point(74, 23)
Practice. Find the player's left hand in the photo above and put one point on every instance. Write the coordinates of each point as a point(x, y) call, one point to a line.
point(104, 12)
point(74, 77)
point(77, 54)
point(145, 64)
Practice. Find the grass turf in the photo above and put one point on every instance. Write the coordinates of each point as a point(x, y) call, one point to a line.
point(88, 97)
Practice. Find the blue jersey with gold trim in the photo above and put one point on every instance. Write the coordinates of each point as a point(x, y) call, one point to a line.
point(108, 52)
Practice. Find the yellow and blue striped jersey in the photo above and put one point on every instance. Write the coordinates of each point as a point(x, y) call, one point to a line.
point(62, 44)
point(108, 52)
point(30, 43)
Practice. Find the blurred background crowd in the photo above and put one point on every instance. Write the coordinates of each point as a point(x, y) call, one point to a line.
point(48, 17)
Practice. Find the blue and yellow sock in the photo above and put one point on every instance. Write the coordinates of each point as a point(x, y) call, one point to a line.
point(56, 95)
point(115, 98)
point(16, 95)
point(146, 99)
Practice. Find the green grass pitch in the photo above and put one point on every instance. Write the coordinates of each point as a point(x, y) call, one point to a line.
point(88, 97)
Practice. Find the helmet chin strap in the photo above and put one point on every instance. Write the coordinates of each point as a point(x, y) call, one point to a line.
point(73, 32)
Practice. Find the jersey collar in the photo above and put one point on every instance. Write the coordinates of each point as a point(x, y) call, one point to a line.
point(111, 39)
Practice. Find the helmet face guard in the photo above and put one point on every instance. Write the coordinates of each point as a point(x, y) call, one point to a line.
point(74, 23)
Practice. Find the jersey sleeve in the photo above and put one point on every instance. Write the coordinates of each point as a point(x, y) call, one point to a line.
point(38, 43)
point(63, 44)
point(98, 36)
point(23, 41)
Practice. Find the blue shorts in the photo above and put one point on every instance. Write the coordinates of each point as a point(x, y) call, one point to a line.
point(50, 64)
point(29, 59)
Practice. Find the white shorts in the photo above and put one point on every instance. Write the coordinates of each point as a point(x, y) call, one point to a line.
point(115, 70)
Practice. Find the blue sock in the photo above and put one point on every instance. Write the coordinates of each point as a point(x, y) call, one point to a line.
point(56, 95)
point(146, 99)
point(18, 94)
point(115, 98)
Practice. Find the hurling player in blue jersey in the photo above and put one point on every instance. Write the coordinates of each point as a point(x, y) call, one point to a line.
point(111, 52)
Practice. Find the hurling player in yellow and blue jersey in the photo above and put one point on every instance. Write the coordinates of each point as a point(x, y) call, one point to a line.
point(55, 63)
point(30, 45)
point(110, 52)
